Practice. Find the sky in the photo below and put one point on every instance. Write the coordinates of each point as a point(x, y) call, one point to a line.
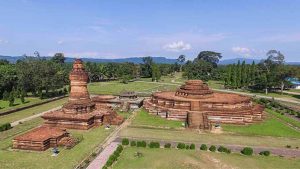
point(138, 28)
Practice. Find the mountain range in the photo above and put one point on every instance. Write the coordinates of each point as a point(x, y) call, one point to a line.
point(137, 60)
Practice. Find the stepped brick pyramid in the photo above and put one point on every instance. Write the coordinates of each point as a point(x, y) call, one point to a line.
point(200, 107)
point(80, 112)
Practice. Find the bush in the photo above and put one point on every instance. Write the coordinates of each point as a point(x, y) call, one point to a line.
point(154, 144)
point(187, 147)
point(141, 144)
point(167, 145)
point(125, 141)
point(192, 146)
point(288, 146)
point(104, 167)
point(11, 99)
point(109, 163)
point(247, 151)
point(265, 153)
point(5, 126)
point(132, 143)
point(119, 148)
point(180, 145)
point(203, 147)
point(221, 149)
point(212, 148)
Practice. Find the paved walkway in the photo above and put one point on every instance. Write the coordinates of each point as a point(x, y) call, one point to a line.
point(109, 144)
point(101, 159)
point(33, 116)
point(286, 152)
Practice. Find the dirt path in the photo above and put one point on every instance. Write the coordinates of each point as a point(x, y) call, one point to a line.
point(109, 145)
point(286, 152)
point(33, 116)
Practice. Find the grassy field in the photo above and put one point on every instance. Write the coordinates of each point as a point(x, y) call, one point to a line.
point(31, 111)
point(172, 158)
point(269, 127)
point(143, 118)
point(116, 87)
point(292, 121)
point(4, 105)
point(65, 160)
point(198, 137)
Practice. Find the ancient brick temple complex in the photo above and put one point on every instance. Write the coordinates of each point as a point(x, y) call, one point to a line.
point(200, 107)
point(80, 112)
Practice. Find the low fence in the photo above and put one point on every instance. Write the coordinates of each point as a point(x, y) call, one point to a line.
point(30, 106)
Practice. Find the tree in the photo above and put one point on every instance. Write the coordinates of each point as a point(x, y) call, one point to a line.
point(22, 97)
point(209, 56)
point(198, 69)
point(11, 99)
point(4, 62)
point(155, 72)
point(58, 58)
point(5, 96)
point(181, 60)
point(146, 67)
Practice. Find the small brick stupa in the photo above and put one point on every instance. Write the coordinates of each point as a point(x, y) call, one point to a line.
point(80, 112)
point(200, 107)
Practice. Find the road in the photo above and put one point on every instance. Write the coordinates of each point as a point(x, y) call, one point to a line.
point(33, 116)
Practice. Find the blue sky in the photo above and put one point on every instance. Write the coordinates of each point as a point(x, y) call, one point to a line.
point(134, 28)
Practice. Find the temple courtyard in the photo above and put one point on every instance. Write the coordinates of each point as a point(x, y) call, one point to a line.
point(270, 133)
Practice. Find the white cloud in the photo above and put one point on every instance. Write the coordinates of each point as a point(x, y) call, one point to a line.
point(3, 41)
point(60, 42)
point(244, 51)
point(177, 46)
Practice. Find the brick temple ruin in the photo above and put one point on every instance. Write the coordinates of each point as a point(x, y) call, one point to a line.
point(200, 107)
point(126, 101)
point(80, 112)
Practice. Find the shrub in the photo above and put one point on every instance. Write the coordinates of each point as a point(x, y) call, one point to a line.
point(247, 151)
point(167, 145)
point(104, 167)
point(288, 146)
point(265, 153)
point(5, 126)
point(141, 144)
point(203, 147)
point(212, 148)
point(228, 151)
point(132, 143)
point(187, 147)
point(109, 163)
point(192, 146)
point(180, 145)
point(221, 149)
point(154, 144)
point(120, 148)
point(125, 141)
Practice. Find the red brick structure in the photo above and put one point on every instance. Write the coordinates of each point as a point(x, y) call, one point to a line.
point(200, 107)
point(40, 138)
point(80, 112)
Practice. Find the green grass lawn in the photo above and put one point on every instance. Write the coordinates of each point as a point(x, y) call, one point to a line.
point(65, 160)
point(194, 159)
point(287, 119)
point(194, 136)
point(143, 118)
point(4, 105)
point(294, 90)
point(116, 87)
point(31, 111)
point(269, 127)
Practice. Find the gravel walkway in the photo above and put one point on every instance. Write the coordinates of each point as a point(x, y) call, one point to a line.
point(33, 116)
